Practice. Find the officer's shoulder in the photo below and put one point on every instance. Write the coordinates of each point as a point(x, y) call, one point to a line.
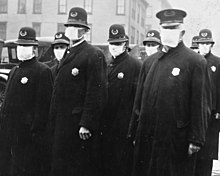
point(150, 59)
point(94, 49)
point(134, 61)
point(43, 66)
point(193, 56)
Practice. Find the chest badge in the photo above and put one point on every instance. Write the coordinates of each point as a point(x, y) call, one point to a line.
point(175, 71)
point(213, 68)
point(120, 75)
point(75, 71)
point(24, 80)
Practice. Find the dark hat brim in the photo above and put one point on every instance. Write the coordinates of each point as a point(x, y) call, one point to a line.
point(77, 24)
point(117, 40)
point(194, 47)
point(201, 40)
point(60, 41)
point(26, 42)
point(151, 39)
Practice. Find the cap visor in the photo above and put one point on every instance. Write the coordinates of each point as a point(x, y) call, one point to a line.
point(26, 42)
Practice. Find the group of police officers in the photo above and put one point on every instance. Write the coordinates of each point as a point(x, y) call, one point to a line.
point(86, 118)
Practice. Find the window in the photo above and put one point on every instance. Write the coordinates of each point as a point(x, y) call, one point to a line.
point(133, 11)
point(37, 28)
point(88, 35)
point(132, 34)
point(37, 6)
point(120, 7)
point(138, 13)
point(60, 27)
point(88, 6)
point(137, 41)
point(149, 12)
point(143, 15)
point(62, 7)
point(142, 38)
point(148, 27)
point(3, 30)
point(3, 6)
point(21, 6)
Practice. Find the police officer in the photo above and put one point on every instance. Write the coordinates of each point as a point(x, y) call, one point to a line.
point(123, 74)
point(194, 45)
point(170, 109)
point(60, 48)
point(152, 42)
point(25, 110)
point(79, 95)
point(210, 150)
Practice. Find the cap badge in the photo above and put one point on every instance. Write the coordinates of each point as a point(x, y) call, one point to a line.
point(24, 80)
point(120, 75)
point(150, 34)
point(23, 33)
point(175, 71)
point(114, 31)
point(59, 35)
point(204, 34)
point(75, 71)
point(169, 13)
point(73, 14)
point(213, 68)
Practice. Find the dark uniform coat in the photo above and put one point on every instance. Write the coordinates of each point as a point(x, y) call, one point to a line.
point(171, 107)
point(78, 98)
point(24, 116)
point(122, 81)
point(210, 149)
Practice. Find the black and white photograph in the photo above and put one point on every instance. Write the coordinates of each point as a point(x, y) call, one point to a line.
point(109, 87)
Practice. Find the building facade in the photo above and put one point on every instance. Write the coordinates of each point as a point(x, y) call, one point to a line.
point(47, 17)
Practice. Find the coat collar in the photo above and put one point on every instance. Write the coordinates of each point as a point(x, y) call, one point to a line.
point(27, 62)
point(173, 50)
point(72, 52)
point(119, 58)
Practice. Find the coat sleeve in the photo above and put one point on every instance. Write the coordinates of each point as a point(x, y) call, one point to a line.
point(200, 103)
point(96, 92)
point(137, 104)
point(42, 103)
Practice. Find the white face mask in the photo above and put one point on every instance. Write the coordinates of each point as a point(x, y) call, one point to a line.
point(25, 52)
point(170, 37)
point(204, 48)
point(116, 50)
point(73, 33)
point(59, 53)
point(151, 49)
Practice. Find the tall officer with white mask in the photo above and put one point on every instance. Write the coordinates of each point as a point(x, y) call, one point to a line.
point(25, 109)
point(78, 99)
point(123, 73)
point(172, 104)
point(209, 152)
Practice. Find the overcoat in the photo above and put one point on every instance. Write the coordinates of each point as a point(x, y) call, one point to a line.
point(170, 111)
point(79, 95)
point(210, 149)
point(24, 116)
point(123, 75)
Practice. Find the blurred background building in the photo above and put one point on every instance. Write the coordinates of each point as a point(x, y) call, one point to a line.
point(137, 16)
point(47, 16)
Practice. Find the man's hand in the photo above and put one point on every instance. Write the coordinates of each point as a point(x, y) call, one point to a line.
point(84, 133)
point(193, 148)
